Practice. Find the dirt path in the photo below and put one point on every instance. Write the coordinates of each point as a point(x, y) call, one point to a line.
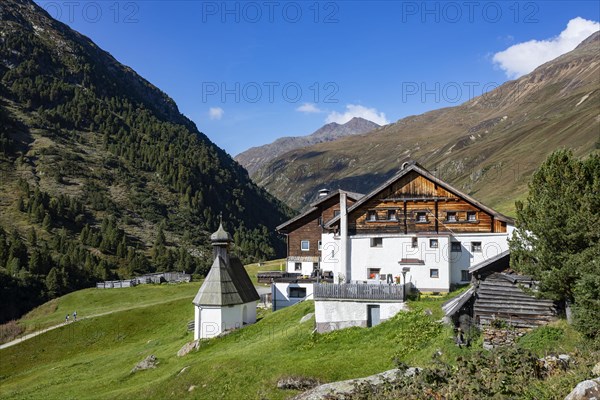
point(36, 333)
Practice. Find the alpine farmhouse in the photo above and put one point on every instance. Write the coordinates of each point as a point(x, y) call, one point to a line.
point(413, 232)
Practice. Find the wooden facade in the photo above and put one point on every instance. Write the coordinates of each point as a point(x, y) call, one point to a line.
point(309, 227)
point(414, 204)
point(502, 296)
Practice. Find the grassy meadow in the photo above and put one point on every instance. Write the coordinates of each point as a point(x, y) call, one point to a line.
point(93, 358)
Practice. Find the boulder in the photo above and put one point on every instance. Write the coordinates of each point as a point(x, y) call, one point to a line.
point(297, 383)
point(344, 388)
point(149, 362)
point(194, 345)
point(586, 390)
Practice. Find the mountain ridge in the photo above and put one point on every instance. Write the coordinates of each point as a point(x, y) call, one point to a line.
point(255, 157)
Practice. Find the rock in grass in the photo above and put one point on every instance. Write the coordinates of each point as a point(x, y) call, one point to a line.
point(194, 345)
point(149, 362)
point(596, 370)
point(306, 318)
point(297, 383)
point(585, 390)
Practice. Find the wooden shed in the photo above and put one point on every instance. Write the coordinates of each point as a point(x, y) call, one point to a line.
point(500, 294)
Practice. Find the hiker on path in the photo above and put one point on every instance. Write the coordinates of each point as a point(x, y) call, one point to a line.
point(74, 315)
point(67, 319)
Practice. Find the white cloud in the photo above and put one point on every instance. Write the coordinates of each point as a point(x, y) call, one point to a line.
point(215, 113)
point(309, 108)
point(522, 58)
point(353, 110)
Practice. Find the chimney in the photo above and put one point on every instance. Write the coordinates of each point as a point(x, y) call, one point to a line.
point(323, 193)
point(345, 265)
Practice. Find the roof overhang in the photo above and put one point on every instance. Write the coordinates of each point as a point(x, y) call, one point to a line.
point(423, 172)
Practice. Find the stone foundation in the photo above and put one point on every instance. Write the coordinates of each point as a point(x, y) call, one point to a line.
point(495, 337)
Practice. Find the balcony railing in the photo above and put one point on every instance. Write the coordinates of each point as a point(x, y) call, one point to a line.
point(358, 291)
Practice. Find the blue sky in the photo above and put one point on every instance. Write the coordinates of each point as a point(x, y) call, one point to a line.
point(249, 72)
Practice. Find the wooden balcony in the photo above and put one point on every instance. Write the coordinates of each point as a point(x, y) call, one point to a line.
point(358, 291)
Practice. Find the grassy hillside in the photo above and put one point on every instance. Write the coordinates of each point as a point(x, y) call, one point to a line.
point(93, 358)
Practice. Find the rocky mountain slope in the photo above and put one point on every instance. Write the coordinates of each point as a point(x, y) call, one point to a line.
point(101, 176)
point(488, 146)
point(255, 157)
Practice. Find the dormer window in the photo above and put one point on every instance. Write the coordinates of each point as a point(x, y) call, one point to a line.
point(372, 215)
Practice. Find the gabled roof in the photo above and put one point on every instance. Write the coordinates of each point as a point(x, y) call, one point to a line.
point(423, 172)
point(315, 206)
point(226, 285)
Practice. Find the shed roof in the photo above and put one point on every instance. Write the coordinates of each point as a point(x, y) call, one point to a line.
point(497, 263)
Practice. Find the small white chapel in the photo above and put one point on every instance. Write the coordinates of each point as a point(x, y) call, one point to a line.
point(227, 299)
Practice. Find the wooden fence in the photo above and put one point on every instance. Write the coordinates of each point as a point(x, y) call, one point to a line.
point(358, 291)
point(144, 279)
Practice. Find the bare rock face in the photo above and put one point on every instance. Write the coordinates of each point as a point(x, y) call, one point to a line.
point(586, 390)
point(149, 362)
point(188, 347)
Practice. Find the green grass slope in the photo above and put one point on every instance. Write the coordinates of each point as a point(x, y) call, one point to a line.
point(93, 357)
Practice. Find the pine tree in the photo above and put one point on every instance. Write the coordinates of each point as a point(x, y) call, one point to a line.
point(47, 223)
point(557, 240)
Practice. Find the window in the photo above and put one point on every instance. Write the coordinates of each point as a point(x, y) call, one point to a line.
point(373, 273)
point(451, 216)
point(372, 215)
point(421, 217)
point(433, 243)
point(455, 247)
point(434, 273)
point(465, 276)
point(336, 213)
point(297, 292)
point(415, 242)
point(305, 245)
point(298, 267)
point(315, 266)
point(475, 247)
point(471, 216)
point(392, 215)
point(320, 221)
point(320, 244)
point(376, 242)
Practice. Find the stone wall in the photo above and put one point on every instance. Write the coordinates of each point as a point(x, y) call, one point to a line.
point(494, 337)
